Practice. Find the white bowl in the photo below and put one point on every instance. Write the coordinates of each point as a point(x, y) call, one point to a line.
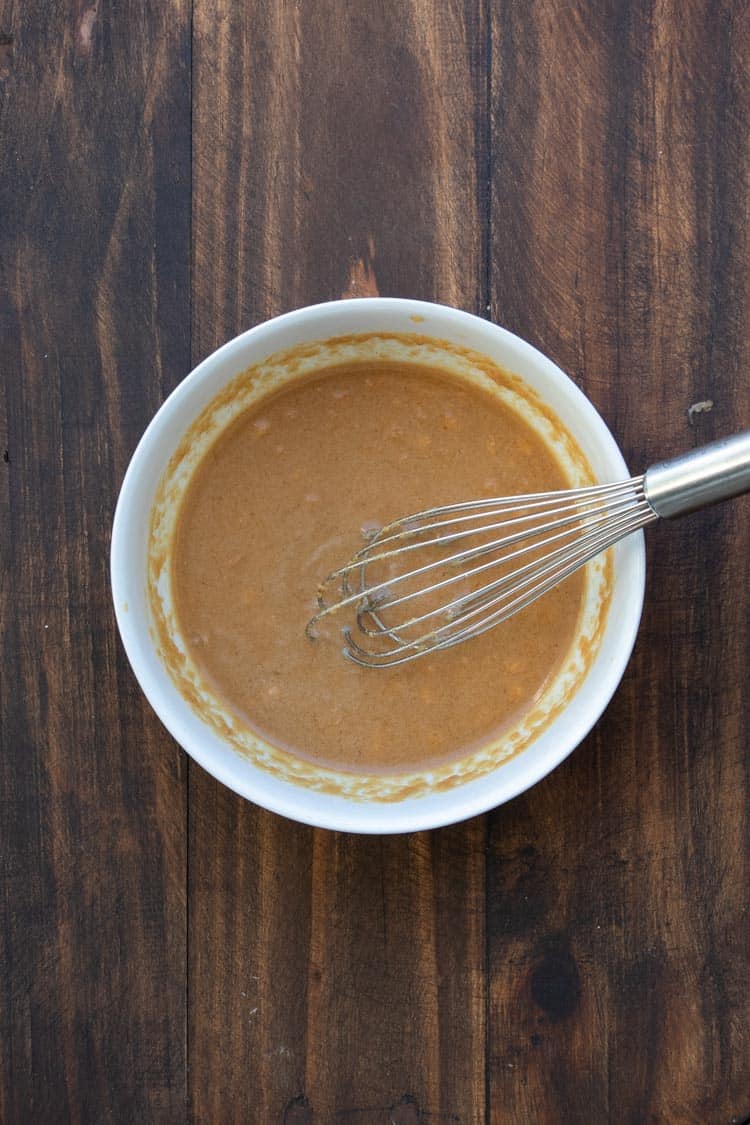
point(130, 551)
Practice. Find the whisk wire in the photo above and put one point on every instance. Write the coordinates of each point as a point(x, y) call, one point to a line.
point(616, 497)
point(412, 525)
point(447, 635)
point(519, 578)
point(533, 543)
point(582, 524)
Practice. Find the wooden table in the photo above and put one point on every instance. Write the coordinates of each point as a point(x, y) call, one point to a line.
point(173, 172)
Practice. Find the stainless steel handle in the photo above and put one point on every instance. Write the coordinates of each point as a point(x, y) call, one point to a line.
point(716, 472)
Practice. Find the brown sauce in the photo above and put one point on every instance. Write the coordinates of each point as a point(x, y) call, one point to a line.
point(277, 503)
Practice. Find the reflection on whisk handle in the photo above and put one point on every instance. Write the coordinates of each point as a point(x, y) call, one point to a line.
point(694, 480)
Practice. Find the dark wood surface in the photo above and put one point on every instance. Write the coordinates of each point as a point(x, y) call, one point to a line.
point(174, 172)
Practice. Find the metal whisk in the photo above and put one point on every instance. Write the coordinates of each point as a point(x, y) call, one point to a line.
point(436, 578)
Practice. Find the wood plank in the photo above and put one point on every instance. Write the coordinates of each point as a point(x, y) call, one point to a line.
point(337, 150)
point(94, 300)
point(619, 887)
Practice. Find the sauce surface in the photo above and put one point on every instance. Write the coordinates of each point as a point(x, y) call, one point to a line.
point(278, 502)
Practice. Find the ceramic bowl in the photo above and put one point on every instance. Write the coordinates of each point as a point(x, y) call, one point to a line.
point(318, 797)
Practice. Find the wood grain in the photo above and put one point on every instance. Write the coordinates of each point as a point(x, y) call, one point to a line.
point(618, 888)
point(175, 172)
point(94, 272)
point(337, 150)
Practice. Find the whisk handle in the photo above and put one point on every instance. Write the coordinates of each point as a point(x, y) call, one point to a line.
point(716, 472)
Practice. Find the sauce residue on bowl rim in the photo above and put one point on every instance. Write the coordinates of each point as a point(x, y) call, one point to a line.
point(251, 386)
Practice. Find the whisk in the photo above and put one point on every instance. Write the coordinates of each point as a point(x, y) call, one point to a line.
point(431, 580)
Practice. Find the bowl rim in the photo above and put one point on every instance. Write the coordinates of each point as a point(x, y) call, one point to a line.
point(297, 802)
